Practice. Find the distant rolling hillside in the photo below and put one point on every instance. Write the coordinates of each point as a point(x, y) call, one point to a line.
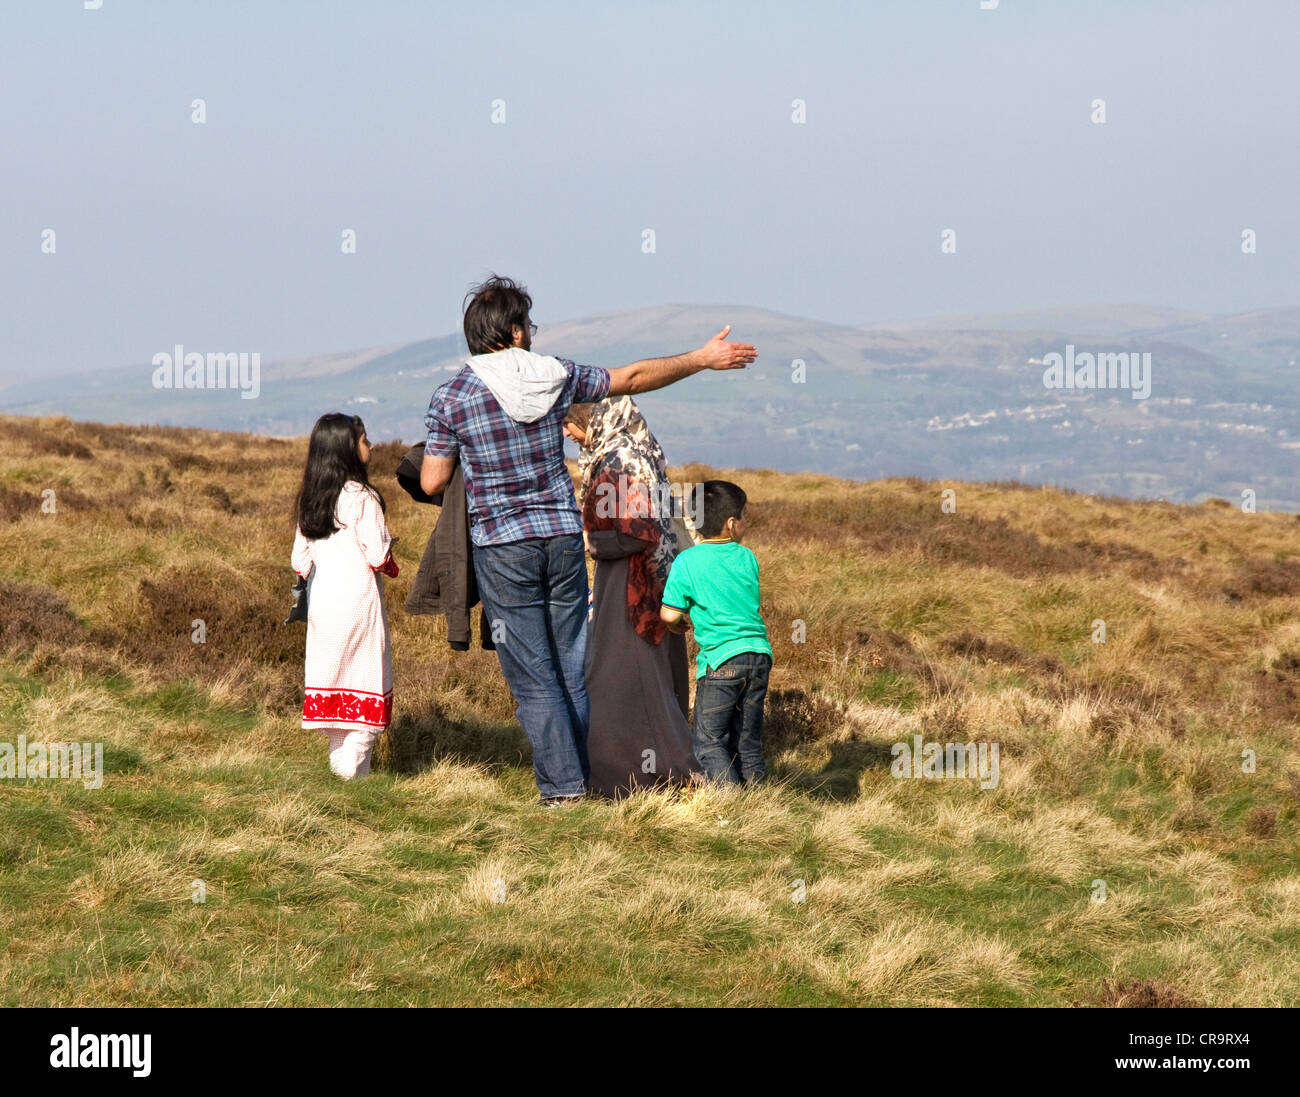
point(953, 397)
point(1079, 319)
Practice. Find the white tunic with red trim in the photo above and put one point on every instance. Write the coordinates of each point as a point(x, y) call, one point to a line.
point(349, 678)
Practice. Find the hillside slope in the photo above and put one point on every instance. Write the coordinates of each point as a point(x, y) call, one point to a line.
point(436, 881)
point(957, 396)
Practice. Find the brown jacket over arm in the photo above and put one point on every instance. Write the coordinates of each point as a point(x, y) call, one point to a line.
point(445, 582)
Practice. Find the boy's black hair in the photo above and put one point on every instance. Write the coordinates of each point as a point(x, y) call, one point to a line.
point(492, 309)
point(722, 500)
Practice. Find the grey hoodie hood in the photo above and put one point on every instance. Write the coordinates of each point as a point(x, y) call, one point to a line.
point(525, 384)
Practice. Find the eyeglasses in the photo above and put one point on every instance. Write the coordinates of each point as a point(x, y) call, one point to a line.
point(532, 328)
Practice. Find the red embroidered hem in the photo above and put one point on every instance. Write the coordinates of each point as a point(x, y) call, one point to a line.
point(348, 706)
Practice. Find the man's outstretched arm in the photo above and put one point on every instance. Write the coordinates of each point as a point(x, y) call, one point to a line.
point(656, 373)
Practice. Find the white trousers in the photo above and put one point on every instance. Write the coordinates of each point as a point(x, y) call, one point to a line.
point(350, 752)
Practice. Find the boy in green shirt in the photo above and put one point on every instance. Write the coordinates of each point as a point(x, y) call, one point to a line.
point(713, 588)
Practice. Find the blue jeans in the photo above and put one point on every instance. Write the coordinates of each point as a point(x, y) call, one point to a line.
point(535, 593)
point(728, 730)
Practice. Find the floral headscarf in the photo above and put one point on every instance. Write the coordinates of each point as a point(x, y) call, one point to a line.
point(621, 460)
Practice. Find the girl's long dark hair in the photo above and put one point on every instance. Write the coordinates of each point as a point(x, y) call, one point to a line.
point(332, 460)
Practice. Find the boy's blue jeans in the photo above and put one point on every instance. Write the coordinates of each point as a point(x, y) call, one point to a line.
point(535, 593)
point(728, 731)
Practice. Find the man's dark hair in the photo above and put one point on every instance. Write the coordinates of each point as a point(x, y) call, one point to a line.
point(491, 309)
point(722, 500)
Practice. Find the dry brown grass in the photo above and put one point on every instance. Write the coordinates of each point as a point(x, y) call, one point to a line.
point(1119, 760)
point(1143, 994)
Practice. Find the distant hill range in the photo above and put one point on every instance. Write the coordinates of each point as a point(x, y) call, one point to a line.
point(960, 397)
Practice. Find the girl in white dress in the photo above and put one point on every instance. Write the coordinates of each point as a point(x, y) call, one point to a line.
point(341, 547)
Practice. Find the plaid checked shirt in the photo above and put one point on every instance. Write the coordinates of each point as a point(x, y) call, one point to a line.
point(515, 478)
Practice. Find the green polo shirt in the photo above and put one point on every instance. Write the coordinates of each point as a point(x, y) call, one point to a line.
point(717, 584)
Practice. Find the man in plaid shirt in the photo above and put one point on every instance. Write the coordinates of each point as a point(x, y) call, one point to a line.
point(501, 418)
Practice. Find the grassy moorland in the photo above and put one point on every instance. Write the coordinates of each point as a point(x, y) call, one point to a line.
point(437, 880)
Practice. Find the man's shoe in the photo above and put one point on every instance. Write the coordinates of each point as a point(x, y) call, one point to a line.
point(560, 801)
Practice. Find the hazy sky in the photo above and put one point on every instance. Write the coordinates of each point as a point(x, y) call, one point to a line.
point(921, 115)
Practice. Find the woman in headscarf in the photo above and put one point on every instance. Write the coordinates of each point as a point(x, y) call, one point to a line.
point(637, 674)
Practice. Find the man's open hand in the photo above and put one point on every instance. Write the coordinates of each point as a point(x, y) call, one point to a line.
point(717, 353)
